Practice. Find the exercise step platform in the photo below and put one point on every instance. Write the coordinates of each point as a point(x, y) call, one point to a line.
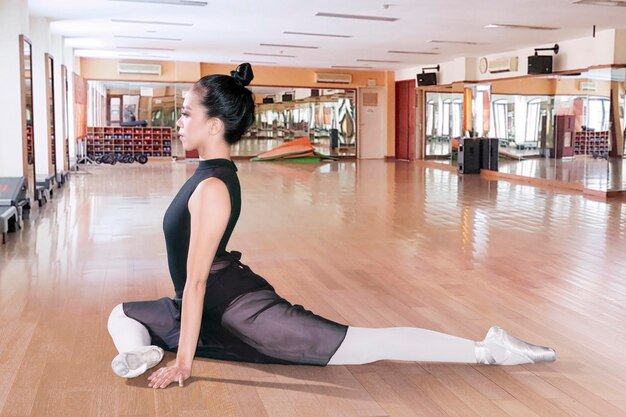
point(14, 204)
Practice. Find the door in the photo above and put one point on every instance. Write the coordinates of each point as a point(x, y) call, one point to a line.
point(405, 120)
point(372, 126)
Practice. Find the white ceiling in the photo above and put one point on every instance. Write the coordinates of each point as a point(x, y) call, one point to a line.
point(223, 31)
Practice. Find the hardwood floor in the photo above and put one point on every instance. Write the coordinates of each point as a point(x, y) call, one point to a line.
point(367, 243)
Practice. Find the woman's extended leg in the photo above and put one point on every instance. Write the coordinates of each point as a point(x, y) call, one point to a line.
point(132, 340)
point(364, 345)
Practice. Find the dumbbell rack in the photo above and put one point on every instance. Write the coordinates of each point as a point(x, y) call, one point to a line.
point(154, 142)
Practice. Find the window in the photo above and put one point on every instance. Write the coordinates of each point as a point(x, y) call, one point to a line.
point(445, 128)
point(500, 119)
point(457, 117)
point(598, 114)
point(532, 120)
point(430, 117)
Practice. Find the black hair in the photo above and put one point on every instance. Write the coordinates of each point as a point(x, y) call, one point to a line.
point(227, 98)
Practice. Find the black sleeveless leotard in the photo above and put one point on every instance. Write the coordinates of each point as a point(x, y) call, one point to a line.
point(243, 318)
point(176, 227)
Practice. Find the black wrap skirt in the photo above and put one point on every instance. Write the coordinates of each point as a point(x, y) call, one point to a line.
point(245, 320)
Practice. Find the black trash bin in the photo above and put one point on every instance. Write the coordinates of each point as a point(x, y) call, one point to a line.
point(469, 156)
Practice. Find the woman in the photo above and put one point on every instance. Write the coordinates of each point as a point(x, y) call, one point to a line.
point(222, 309)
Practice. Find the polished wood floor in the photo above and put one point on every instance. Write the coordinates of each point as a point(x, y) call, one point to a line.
point(368, 243)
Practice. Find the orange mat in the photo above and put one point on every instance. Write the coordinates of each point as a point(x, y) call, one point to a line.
point(297, 148)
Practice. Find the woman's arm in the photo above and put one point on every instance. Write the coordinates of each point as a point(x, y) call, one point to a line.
point(209, 206)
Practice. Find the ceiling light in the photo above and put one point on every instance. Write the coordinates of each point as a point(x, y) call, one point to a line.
point(252, 62)
point(288, 46)
point(379, 60)
point(317, 34)
point(146, 37)
point(150, 22)
point(279, 55)
point(143, 56)
point(357, 17)
point(455, 42)
point(506, 26)
point(172, 2)
point(413, 52)
point(351, 66)
point(611, 3)
point(142, 47)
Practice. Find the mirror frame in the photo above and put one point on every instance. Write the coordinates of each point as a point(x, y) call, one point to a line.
point(50, 107)
point(31, 187)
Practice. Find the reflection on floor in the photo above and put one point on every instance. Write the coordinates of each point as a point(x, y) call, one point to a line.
point(593, 174)
point(369, 243)
point(252, 147)
point(590, 173)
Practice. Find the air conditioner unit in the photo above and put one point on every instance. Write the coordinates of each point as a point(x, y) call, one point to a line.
point(333, 78)
point(144, 69)
point(587, 86)
point(503, 65)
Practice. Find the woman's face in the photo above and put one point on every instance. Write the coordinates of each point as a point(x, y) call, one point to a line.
point(193, 126)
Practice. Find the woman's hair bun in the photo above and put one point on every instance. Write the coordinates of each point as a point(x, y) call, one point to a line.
point(243, 74)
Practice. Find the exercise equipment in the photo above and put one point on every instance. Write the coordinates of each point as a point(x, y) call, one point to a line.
point(14, 204)
point(44, 188)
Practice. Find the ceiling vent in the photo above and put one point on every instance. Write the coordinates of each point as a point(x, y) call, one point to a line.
point(333, 78)
point(144, 69)
point(509, 64)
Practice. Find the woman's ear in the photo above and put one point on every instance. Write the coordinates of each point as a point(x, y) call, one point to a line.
point(216, 126)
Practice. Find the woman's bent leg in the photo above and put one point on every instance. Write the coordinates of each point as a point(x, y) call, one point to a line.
point(128, 334)
point(132, 340)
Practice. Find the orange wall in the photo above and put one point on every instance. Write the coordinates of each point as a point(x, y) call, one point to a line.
point(296, 77)
point(106, 69)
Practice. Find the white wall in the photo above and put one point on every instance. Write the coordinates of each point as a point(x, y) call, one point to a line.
point(69, 59)
point(13, 22)
point(40, 36)
point(573, 55)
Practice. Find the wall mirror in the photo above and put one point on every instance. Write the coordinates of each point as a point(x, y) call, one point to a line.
point(66, 122)
point(52, 158)
point(28, 137)
point(326, 116)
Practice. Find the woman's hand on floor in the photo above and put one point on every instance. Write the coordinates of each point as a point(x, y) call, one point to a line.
point(168, 374)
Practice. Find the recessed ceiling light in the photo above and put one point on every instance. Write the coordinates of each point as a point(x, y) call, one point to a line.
point(351, 66)
point(610, 3)
point(413, 52)
point(328, 35)
point(172, 2)
point(150, 22)
point(259, 54)
point(456, 42)
point(237, 61)
point(506, 26)
point(142, 47)
point(143, 56)
point(357, 17)
point(146, 37)
point(379, 60)
point(288, 46)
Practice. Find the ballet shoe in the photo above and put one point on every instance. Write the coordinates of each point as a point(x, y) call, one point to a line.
point(136, 362)
point(500, 348)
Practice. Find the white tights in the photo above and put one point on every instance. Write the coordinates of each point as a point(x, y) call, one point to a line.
point(364, 345)
point(128, 334)
point(361, 345)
